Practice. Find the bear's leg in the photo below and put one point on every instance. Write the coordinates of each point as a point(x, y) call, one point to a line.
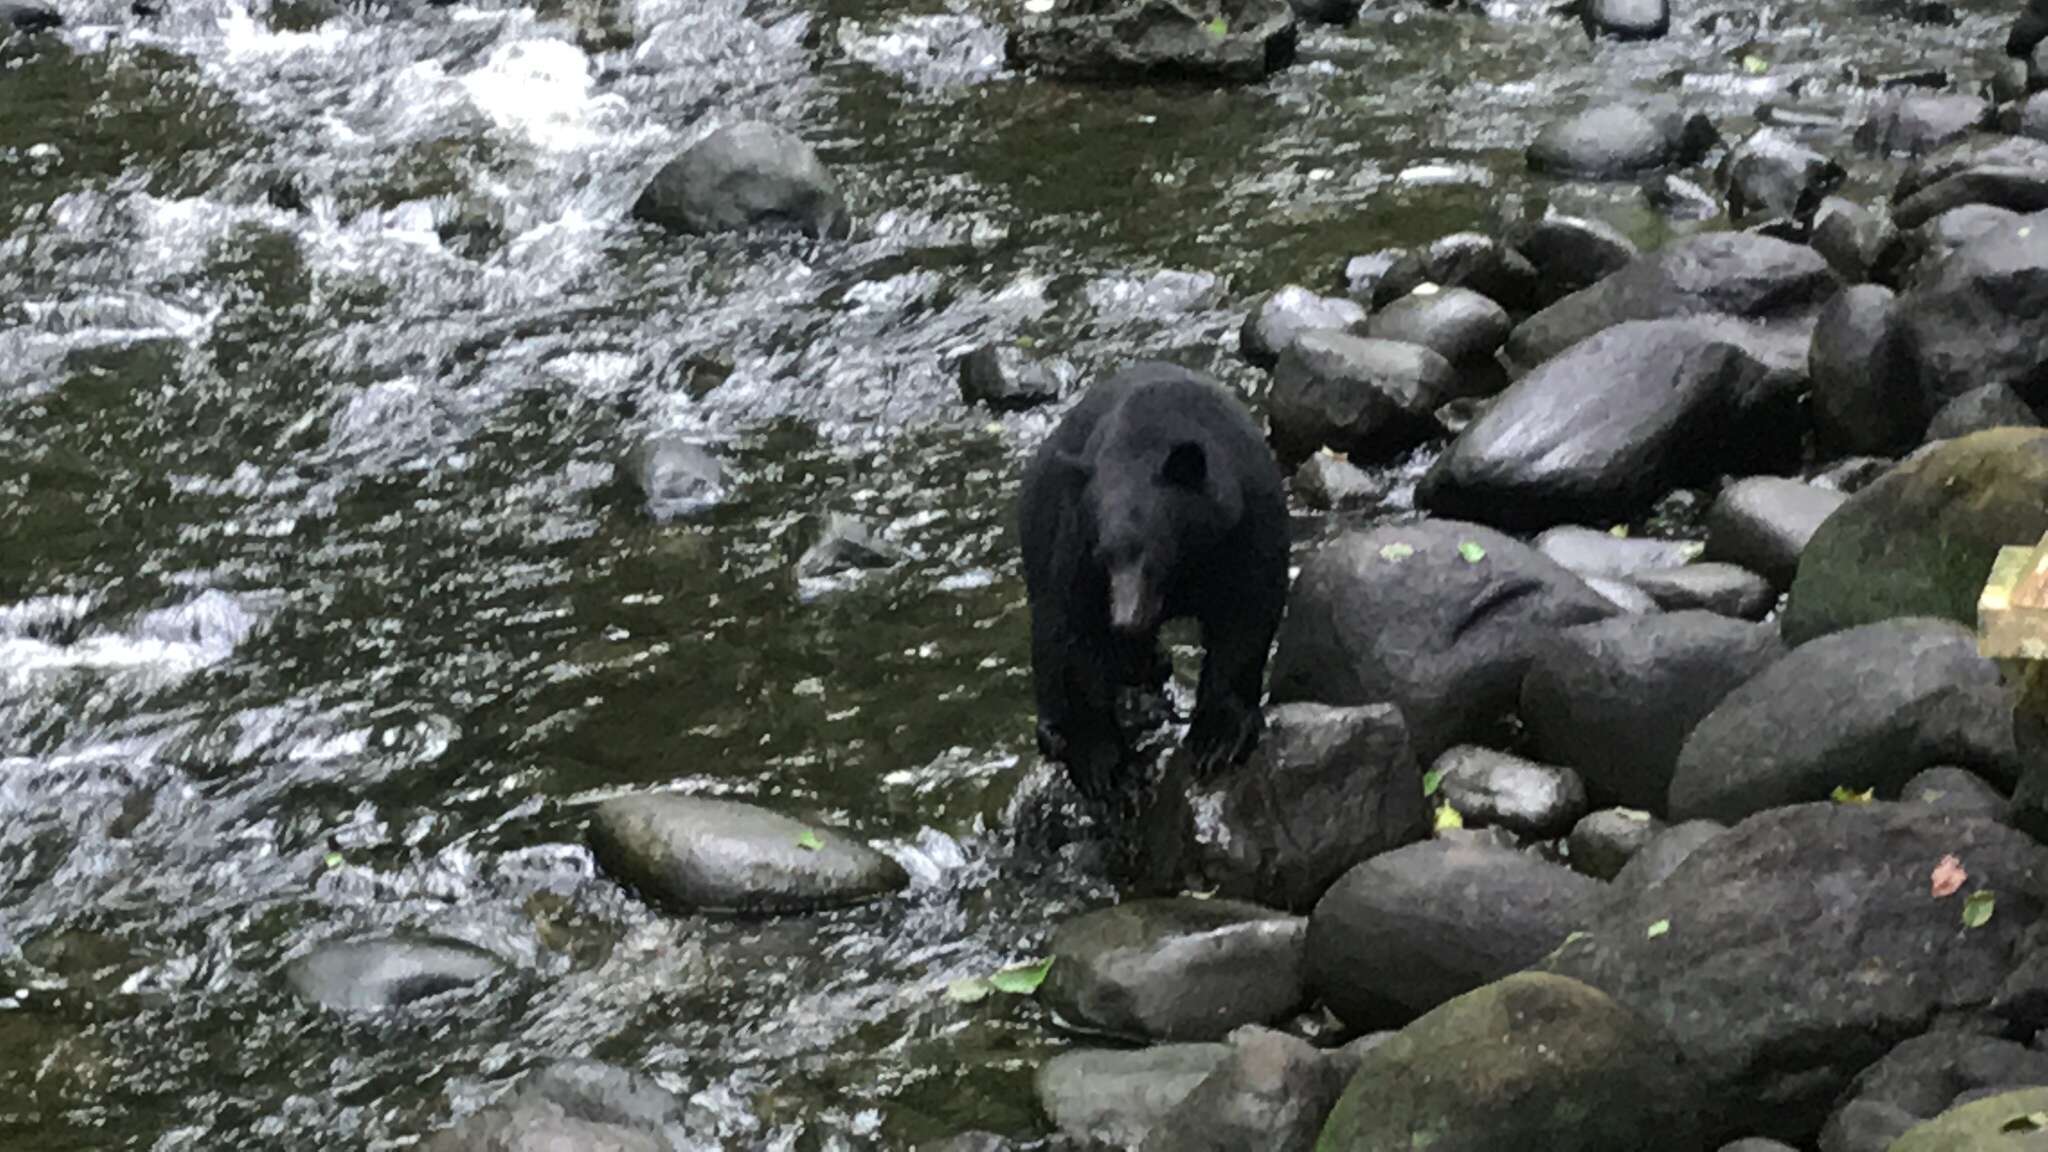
point(1076, 693)
point(1227, 720)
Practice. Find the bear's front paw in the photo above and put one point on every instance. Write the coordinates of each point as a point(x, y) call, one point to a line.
point(1222, 736)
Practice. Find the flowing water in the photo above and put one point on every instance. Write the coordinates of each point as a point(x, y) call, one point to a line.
point(321, 613)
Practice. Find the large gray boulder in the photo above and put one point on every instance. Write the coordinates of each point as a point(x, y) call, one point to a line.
point(1232, 42)
point(698, 852)
point(747, 177)
point(1176, 969)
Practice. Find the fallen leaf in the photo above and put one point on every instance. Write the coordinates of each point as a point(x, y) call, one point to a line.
point(1619, 531)
point(1659, 928)
point(1447, 818)
point(1431, 781)
point(1021, 979)
point(808, 841)
point(1755, 65)
point(1397, 552)
point(1845, 795)
point(1978, 908)
point(332, 860)
point(1217, 28)
point(1635, 814)
point(1948, 877)
point(1472, 552)
point(972, 990)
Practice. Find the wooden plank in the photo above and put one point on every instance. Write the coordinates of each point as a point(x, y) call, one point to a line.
point(2012, 612)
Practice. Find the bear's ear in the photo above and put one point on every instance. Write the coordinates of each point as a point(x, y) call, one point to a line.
point(1187, 466)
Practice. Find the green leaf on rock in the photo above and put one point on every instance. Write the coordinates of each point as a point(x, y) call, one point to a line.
point(1021, 979)
point(1843, 794)
point(1448, 819)
point(1977, 909)
point(1396, 553)
point(1619, 531)
point(333, 860)
point(1431, 781)
point(1026, 342)
point(1472, 552)
point(1659, 928)
point(1635, 814)
point(808, 841)
point(972, 990)
point(1755, 65)
point(1217, 28)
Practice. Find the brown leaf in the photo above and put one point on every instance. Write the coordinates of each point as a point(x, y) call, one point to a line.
point(1948, 877)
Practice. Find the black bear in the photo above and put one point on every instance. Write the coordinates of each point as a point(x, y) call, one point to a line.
point(1155, 499)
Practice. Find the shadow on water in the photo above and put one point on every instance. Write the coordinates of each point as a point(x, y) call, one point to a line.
point(322, 613)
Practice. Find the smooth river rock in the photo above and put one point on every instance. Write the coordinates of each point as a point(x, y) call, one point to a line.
point(388, 972)
point(696, 852)
point(746, 177)
point(1176, 969)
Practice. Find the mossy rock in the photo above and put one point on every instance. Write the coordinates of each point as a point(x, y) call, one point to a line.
point(1532, 1061)
point(2013, 1122)
point(1921, 541)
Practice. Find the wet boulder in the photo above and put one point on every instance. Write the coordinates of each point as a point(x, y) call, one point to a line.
point(1763, 524)
point(2003, 1122)
point(1367, 398)
point(1866, 391)
point(1920, 541)
point(1980, 409)
point(1722, 589)
point(1274, 1093)
point(1616, 700)
point(1624, 595)
point(1925, 1076)
point(1475, 261)
point(749, 177)
point(1921, 122)
point(1956, 790)
point(1591, 552)
point(696, 852)
point(1326, 788)
point(1437, 617)
point(1982, 315)
point(1176, 969)
point(1458, 324)
point(1496, 790)
point(1329, 481)
point(1007, 378)
point(1678, 198)
point(1626, 19)
point(675, 476)
point(1862, 709)
point(1850, 237)
point(1226, 42)
point(1115, 1098)
point(1570, 253)
point(1386, 275)
point(2028, 117)
point(1607, 427)
point(1983, 151)
point(1658, 859)
point(1408, 930)
point(381, 974)
point(30, 16)
point(573, 1107)
point(1281, 316)
point(847, 544)
point(1771, 174)
point(1915, 254)
point(2015, 189)
point(1720, 273)
point(1533, 1061)
point(1616, 141)
point(1604, 842)
point(1791, 952)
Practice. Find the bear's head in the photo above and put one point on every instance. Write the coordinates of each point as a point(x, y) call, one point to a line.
point(1156, 514)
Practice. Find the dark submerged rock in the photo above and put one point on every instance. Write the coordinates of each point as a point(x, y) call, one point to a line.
point(1438, 617)
point(1407, 930)
point(1326, 788)
point(28, 16)
point(1771, 174)
point(1176, 969)
point(1234, 42)
point(1609, 426)
point(1281, 316)
point(1979, 409)
point(1862, 709)
point(1720, 273)
point(1363, 397)
point(700, 853)
point(747, 177)
point(1763, 524)
point(1722, 589)
point(1618, 140)
point(1007, 378)
point(389, 972)
point(1116, 1098)
point(675, 476)
point(1921, 540)
point(1604, 842)
point(1495, 789)
point(1616, 700)
point(1533, 1061)
point(845, 544)
point(1764, 921)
